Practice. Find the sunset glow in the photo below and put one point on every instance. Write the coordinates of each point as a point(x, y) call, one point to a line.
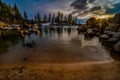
point(104, 16)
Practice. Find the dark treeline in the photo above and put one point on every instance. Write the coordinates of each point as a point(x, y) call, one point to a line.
point(11, 15)
point(59, 18)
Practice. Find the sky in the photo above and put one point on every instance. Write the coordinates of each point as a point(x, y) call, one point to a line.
point(42, 6)
point(88, 8)
point(81, 8)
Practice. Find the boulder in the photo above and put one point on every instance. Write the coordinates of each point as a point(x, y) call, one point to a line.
point(117, 47)
point(107, 32)
point(110, 33)
point(89, 31)
point(113, 40)
point(117, 35)
point(104, 37)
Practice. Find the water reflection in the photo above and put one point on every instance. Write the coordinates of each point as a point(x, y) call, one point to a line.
point(53, 44)
point(3, 46)
point(7, 39)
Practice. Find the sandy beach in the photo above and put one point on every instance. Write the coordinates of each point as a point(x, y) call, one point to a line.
point(70, 71)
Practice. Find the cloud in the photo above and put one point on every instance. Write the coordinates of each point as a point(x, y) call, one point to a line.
point(89, 8)
point(80, 8)
point(53, 6)
point(43, 6)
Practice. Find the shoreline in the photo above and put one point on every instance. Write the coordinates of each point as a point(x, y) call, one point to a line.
point(62, 64)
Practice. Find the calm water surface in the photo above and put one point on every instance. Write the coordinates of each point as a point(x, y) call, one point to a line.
point(53, 46)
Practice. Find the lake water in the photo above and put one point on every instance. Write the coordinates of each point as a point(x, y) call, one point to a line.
point(59, 45)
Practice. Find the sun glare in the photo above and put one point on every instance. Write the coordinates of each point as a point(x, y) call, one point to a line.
point(103, 16)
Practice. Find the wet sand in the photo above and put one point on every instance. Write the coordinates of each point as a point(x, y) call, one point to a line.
point(75, 71)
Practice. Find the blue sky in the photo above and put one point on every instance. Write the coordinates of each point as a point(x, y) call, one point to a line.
point(53, 6)
point(42, 6)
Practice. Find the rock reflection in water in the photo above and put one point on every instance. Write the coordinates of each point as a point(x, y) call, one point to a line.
point(56, 45)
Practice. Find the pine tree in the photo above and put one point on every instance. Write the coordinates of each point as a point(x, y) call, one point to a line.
point(65, 19)
point(38, 18)
point(53, 19)
point(25, 16)
point(5, 13)
point(9, 14)
point(45, 18)
point(1, 3)
point(35, 18)
point(57, 19)
point(49, 19)
point(70, 18)
point(74, 21)
point(61, 17)
point(17, 14)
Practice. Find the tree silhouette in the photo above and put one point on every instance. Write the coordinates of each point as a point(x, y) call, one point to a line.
point(45, 19)
point(61, 17)
point(49, 19)
point(25, 16)
point(10, 14)
point(6, 13)
point(35, 18)
point(38, 18)
point(74, 21)
point(53, 18)
point(70, 18)
point(57, 19)
point(17, 14)
point(65, 19)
